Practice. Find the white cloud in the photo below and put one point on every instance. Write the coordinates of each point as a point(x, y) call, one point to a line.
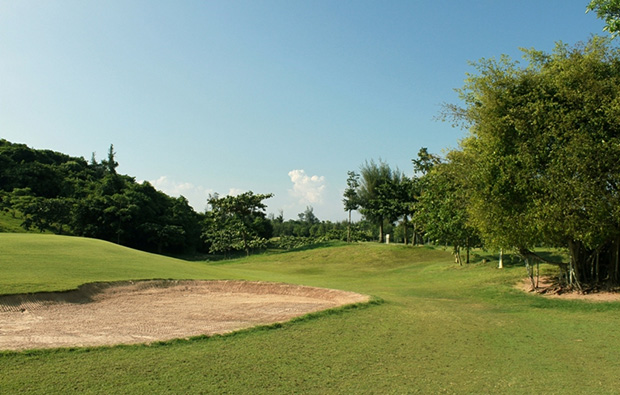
point(235, 191)
point(196, 195)
point(307, 189)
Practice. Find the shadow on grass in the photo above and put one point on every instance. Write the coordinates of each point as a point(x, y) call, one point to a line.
point(206, 257)
point(315, 246)
point(515, 260)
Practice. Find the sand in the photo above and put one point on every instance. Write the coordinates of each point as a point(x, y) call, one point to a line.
point(148, 311)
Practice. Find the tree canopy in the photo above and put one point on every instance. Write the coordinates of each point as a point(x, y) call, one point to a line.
point(237, 222)
point(541, 159)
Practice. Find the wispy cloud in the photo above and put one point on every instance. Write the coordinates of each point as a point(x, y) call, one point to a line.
point(308, 189)
point(235, 191)
point(196, 195)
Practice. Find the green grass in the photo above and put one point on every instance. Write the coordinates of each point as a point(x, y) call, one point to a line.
point(12, 223)
point(34, 263)
point(441, 328)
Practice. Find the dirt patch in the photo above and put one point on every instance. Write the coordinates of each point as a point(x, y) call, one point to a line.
point(148, 311)
point(548, 288)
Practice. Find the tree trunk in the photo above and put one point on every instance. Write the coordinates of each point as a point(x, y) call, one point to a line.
point(615, 276)
point(530, 273)
point(457, 255)
point(381, 240)
point(245, 244)
point(349, 229)
point(467, 249)
point(576, 273)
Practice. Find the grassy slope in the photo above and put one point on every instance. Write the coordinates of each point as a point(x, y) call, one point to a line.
point(441, 329)
point(32, 263)
point(8, 223)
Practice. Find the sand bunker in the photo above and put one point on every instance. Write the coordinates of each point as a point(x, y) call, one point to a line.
point(148, 311)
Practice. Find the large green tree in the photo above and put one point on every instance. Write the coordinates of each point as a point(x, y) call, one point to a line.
point(541, 160)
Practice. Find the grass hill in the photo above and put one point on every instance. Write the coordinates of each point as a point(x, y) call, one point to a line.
point(441, 328)
point(10, 224)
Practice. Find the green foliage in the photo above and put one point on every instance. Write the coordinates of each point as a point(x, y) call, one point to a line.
point(351, 198)
point(237, 223)
point(609, 11)
point(58, 193)
point(47, 214)
point(321, 230)
point(379, 194)
point(425, 161)
point(441, 208)
point(294, 242)
point(541, 161)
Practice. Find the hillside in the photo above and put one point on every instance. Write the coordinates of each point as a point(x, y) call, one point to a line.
point(36, 262)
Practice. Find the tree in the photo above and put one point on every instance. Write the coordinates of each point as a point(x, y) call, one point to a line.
point(237, 222)
point(351, 199)
point(395, 199)
point(541, 159)
point(111, 164)
point(425, 161)
point(609, 11)
point(47, 214)
point(373, 193)
point(441, 208)
point(308, 216)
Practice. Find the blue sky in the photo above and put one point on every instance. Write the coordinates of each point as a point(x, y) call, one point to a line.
point(278, 97)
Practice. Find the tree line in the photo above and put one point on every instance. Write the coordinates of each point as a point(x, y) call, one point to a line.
point(540, 165)
point(427, 207)
point(51, 191)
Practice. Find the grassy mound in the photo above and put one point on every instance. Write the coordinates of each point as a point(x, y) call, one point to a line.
point(36, 263)
point(441, 328)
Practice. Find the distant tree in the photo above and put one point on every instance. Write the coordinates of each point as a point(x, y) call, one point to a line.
point(308, 216)
point(373, 190)
point(111, 164)
point(18, 200)
point(405, 195)
point(53, 191)
point(351, 198)
point(393, 199)
point(237, 222)
point(422, 165)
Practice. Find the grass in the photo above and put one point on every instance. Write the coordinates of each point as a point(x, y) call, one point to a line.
point(441, 328)
point(12, 223)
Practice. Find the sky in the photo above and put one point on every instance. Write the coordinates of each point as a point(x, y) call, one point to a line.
point(269, 96)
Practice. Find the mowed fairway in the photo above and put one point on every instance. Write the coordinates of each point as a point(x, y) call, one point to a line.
point(441, 328)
